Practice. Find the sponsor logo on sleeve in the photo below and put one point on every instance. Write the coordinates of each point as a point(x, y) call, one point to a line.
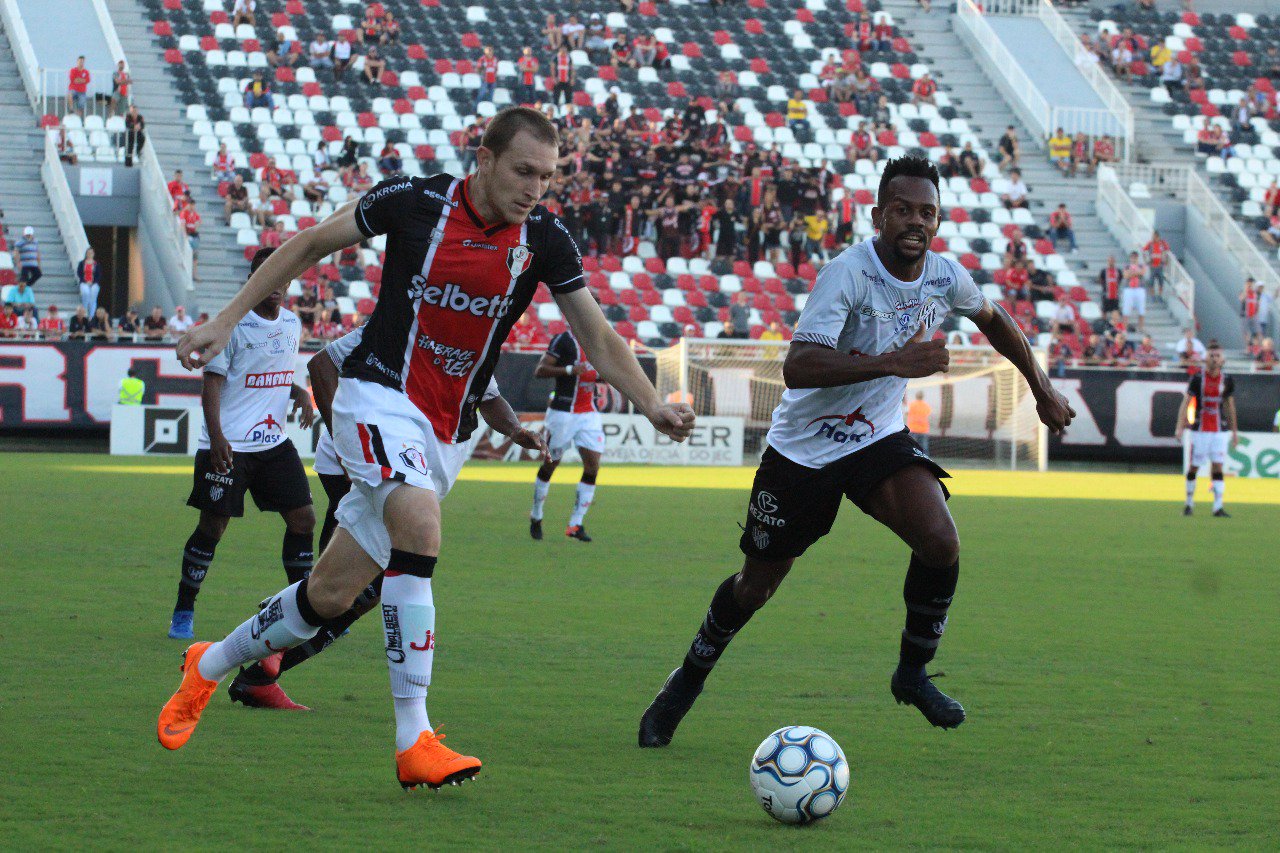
point(373, 196)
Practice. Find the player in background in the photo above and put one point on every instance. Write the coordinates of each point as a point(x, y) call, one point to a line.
point(257, 686)
point(866, 329)
point(243, 447)
point(572, 421)
point(1214, 393)
point(463, 260)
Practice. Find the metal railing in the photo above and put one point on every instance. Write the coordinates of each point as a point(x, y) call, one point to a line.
point(1126, 221)
point(1035, 110)
point(55, 100)
point(1218, 219)
point(62, 203)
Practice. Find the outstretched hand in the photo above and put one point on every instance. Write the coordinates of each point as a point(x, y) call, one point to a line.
point(674, 420)
point(200, 344)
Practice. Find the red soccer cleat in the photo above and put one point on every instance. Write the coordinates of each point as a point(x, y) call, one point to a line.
point(270, 696)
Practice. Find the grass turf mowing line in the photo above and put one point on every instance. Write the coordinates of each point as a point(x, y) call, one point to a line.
point(1102, 648)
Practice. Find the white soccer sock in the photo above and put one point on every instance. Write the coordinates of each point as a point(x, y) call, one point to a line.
point(409, 624)
point(1191, 491)
point(540, 489)
point(1218, 488)
point(277, 626)
point(586, 494)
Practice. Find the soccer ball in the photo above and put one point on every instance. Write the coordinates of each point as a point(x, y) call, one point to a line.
point(799, 774)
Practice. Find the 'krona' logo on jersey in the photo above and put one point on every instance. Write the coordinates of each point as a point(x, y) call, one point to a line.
point(266, 431)
point(371, 198)
point(831, 423)
point(454, 298)
point(275, 379)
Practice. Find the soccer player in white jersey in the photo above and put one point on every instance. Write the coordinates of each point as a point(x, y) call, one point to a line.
point(867, 328)
point(572, 421)
point(463, 260)
point(258, 686)
point(243, 447)
point(1215, 412)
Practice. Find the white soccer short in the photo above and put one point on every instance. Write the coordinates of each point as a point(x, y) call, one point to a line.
point(1133, 302)
point(383, 439)
point(326, 461)
point(1208, 447)
point(573, 429)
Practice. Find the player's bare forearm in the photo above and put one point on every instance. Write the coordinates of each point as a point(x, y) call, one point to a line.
point(1182, 416)
point(211, 402)
point(549, 367)
point(324, 384)
point(609, 353)
point(810, 365)
point(499, 415)
point(1007, 339)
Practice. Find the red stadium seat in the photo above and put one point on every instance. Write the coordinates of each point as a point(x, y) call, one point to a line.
point(604, 294)
point(610, 263)
point(900, 71)
point(648, 9)
point(1193, 44)
point(685, 281)
point(49, 121)
point(722, 37)
point(366, 306)
point(162, 28)
point(295, 7)
point(402, 106)
point(471, 41)
point(1045, 246)
point(607, 73)
point(642, 281)
point(208, 43)
point(774, 286)
point(709, 283)
point(311, 90)
point(219, 17)
point(784, 270)
point(251, 46)
point(752, 26)
point(683, 314)
point(970, 261)
point(775, 120)
point(331, 134)
point(598, 280)
point(751, 284)
point(1241, 59)
point(758, 4)
point(625, 329)
point(939, 244)
point(279, 19)
point(864, 197)
point(173, 5)
point(807, 271)
point(373, 275)
point(759, 65)
point(742, 268)
point(784, 302)
point(695, 299)
point(638, 313)
point(691, 50)
point(855, 6)
point(655, 265)
point(589, 263)
point(958, 215)
point(1238, 33)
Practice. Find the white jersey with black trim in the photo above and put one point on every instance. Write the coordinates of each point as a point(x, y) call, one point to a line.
point(857, 307)
point(258, 363)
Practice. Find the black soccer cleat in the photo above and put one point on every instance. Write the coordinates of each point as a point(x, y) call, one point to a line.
point(658, 725)
point(577, 531)
point(1186, 510)
point(938, 708)
point(535, 528)
point(1221, 513)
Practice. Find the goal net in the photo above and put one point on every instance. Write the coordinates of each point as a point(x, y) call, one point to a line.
point(980, 413)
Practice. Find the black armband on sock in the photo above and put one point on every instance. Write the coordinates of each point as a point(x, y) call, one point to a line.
point(305, 610)
point(408, 563)
point(297, 555)
point(927, 593)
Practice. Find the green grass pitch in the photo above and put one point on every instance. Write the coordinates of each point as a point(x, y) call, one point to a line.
point(1115, 660)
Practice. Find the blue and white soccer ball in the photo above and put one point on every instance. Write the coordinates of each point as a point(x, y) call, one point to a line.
point(799, 774)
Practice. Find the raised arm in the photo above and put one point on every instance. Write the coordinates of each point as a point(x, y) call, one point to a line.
point(292, 259)
point(617, 365)
point(1003, 333)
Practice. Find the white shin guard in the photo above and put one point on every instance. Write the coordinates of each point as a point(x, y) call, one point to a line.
point(409, 625)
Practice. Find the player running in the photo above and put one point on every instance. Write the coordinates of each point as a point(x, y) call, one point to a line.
point(243, 447)
point(1214, 393)
point(867, 328)
point(257, 686)
point(572, 420)
point(464, 258)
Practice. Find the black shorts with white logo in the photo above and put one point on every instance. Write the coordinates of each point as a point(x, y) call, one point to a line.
point(275, 477)
point(793, 506)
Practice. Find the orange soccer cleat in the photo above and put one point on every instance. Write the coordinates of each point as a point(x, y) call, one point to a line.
point(179, 716)
point(429, 762)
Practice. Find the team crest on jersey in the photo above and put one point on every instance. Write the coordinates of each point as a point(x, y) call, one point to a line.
point(414, 458)
point(518, 260)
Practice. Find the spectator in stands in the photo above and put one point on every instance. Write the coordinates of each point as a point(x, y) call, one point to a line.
point(348, 156)
point(574, 33)
point(28, 325)
point(597, 36)
point(731, 330)
point(1271, 62)
point(374, 65)
point(66, 149)
point(740, 311)
point(862, 145)
point(552, 33)
point(135, 134)
point(179, 322)
point(1121, 352)
point(1060, 151)
point(1064, 319)
point(1266, 357)
point(237, 198)
point(121, 82)
point(645, 49)
point(971, 164)
point(178, 189)
point(1250, 314)
point(1211, 140)
point(341, 57)
point(773, 332)
point(21, 297)
point(390, 29)
point(1060, 227)
point(191, 224)
point(224, 167)
point(1242, 117)
point(527, 67)
point(243, 13)
point(1271, 234)
point(1016, 280)
point(29, 256)
point(487, 68)
point(1040, 284)
point(307, 306)
point(1265, 303)
point(727, 227)
point(260, 209)
point(89, 280)
point(816, 226)
point(1172, 75)
point(924, 90)
point(273, 238)
point(8, 322)
point(390, 163)
point(361, 180)
point(620, 52)
point(1095, 351)
point(1147, 354)
point(1015, 194)
point(1190, 350)
point(562, 75)
point(320, 52)
point(154, 326)
point(864, 89)
point(52, 325)
point(1155, 251)
point(280, 50)
point(100, 326)
point(257, 93)
point(326, 330)
point(370, 31)
point(1059, 354)
point(78, 79)
point(1133, 298)
point(1008, 150)
point(129, 324)
point(1079, 153)
point(798, 116)
point(1104, 151)
point(78, 328)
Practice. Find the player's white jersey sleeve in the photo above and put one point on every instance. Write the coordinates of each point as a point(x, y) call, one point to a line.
point(965, 297)
point(826, 312)
point(341, 348)
point(258, 363)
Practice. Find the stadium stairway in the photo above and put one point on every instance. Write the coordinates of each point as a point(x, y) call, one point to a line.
point(220, 267)
point(22, 194)
point(963, 78)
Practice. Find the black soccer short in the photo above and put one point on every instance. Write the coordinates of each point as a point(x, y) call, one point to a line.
point(274, 477)
point(1109, 305)
point(793, 506)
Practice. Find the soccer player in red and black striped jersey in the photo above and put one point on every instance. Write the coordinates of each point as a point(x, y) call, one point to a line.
point(1215, 412)
point(572, 420)
point(464, 258)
